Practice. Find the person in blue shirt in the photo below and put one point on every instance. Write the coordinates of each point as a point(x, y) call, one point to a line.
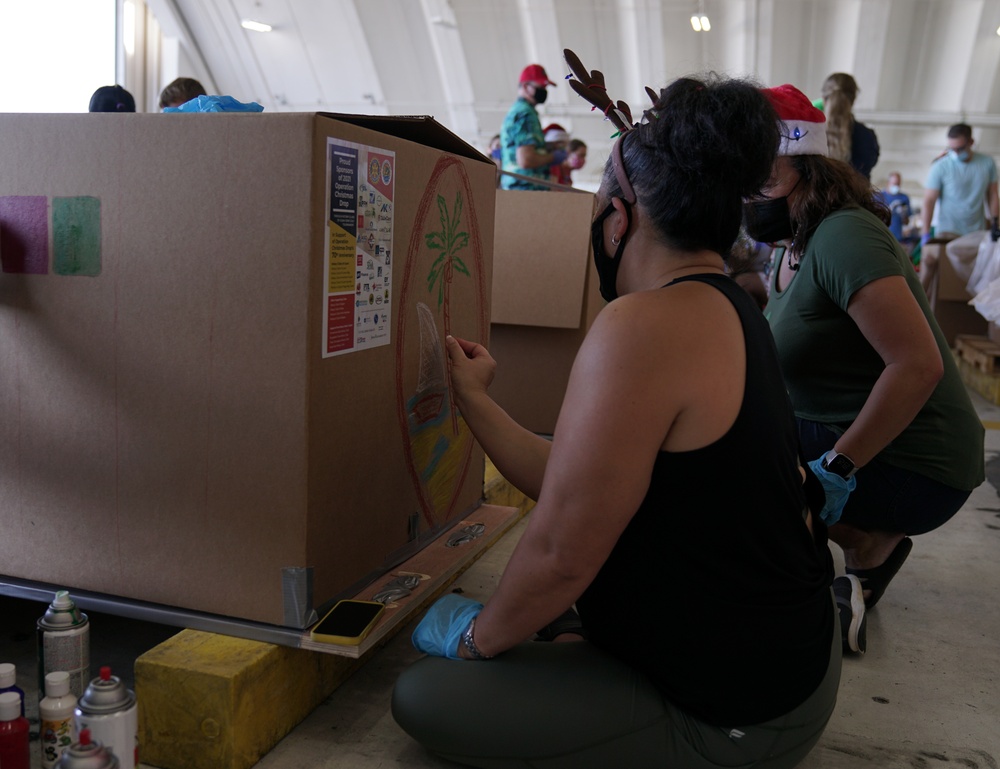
point(960, 183)
point(522, 142)
point(898, 203)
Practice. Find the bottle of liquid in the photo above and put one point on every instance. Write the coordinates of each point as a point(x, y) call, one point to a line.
point(64, 643)
point(14, 753)
point(108, 709)
point(8, 682)
point(55, 711)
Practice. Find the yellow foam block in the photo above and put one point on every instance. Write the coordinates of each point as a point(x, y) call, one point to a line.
point(209, 701)
point(499, 491)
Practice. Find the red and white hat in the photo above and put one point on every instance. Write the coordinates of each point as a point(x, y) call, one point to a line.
point(804, 126)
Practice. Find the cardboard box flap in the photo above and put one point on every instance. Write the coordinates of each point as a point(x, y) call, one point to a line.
point(542, 251)
point(422, 129)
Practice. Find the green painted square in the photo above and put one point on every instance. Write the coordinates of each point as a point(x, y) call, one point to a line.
point(76, 236)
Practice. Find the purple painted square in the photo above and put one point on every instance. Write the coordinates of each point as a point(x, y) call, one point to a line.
point(24, 234)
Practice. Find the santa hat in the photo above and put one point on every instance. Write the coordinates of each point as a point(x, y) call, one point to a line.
point(804, 126)
point(555, 133)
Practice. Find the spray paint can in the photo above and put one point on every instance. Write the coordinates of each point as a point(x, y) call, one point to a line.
point(55, 713)
point(64, 643)
point(87, 754)
point(109, 710)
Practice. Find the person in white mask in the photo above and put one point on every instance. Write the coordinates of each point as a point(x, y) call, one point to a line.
point(960, 186)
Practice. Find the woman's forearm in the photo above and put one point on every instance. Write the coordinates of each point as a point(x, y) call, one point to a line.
point(897, 397)
point(519, 454)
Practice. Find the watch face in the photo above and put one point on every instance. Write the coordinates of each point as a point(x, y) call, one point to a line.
point(840, 465)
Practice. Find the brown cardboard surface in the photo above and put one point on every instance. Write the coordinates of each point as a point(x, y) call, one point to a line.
point(542, 241)
point(950, 287)
point(169, 430)
point(534, 361)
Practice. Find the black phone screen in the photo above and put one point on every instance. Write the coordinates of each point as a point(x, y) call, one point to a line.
point(348, 619)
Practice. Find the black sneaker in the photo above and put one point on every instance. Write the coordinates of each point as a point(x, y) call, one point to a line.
point(851, 603)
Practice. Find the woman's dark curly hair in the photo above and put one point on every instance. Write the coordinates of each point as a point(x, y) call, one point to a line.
point(711, 144)
point(827, 185)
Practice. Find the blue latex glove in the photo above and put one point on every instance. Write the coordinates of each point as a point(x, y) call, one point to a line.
point(925, 238)
point(216, 104)
point(837, 491)
point(441, 628)
point(559, 156)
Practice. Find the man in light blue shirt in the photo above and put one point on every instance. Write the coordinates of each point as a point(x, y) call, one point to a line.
point(959, 184)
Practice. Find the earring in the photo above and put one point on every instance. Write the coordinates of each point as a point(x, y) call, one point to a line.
point(615, 242)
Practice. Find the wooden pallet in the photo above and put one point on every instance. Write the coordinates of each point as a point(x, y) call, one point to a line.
point(981, 352)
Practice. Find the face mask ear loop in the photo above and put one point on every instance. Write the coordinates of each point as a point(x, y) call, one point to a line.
point(618, 162)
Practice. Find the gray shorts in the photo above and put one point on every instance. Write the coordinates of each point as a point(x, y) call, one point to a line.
point(571, 706)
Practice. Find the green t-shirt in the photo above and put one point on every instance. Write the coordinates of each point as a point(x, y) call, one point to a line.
point(830, 368)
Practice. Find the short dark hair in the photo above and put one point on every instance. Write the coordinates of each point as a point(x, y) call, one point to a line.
point(182, 90)
point(960, 131)
point(576, 144)
point(709, 143)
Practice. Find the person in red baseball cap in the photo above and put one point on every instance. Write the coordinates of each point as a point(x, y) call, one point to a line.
point(522, 141)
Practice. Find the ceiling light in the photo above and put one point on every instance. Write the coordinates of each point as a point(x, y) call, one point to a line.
point(255, 26)
point(700, 23)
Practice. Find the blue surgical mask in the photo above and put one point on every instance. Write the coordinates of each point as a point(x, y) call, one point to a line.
point(962, 155)
point(893, 189)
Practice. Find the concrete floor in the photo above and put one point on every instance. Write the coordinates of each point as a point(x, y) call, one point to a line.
point(926, 695)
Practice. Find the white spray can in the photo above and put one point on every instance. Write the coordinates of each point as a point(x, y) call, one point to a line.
point(87, 754)
point(64, 643)
point(55, 712)
point(109, 711)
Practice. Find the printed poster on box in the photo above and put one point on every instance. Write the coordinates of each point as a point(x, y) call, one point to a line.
point(357, 268)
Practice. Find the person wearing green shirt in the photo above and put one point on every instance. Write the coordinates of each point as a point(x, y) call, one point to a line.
point(881, 409)
point(522, 143)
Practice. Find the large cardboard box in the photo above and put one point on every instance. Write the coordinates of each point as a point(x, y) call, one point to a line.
point(950, 300)
point(222, 384)
point(545, 296)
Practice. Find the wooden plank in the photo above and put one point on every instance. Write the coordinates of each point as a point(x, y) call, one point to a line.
point(980, 351)
point(438, 566)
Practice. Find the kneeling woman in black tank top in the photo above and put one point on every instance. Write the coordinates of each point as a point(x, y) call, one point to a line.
point(671, 507)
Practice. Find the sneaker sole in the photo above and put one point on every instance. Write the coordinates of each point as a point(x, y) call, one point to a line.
point(857, 639)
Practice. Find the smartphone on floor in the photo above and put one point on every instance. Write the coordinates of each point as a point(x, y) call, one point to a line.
point(348, 622)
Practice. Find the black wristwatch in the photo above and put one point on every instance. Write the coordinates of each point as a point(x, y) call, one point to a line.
point(839, 464)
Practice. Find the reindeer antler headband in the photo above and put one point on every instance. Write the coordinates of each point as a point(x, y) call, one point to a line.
point(590, 85)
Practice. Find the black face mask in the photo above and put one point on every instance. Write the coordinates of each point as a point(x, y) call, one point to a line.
point(607, 267)
point(768, 221)
point(541, 94)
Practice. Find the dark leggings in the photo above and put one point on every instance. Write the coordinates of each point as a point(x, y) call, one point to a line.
point(887, 498)
point(571, 706)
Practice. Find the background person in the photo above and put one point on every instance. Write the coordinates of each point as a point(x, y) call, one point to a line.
point(898, 203)
point(848, 139)
point(959, 184)
point(877, 395)
point(112, 98)
point(631, 517)
point(557, 139)
point(522, 141)
point(181, 91)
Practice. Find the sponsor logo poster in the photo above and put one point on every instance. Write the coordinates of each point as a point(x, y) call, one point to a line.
point(357, 254)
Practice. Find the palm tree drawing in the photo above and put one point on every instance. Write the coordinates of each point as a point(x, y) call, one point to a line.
point(449, 240)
